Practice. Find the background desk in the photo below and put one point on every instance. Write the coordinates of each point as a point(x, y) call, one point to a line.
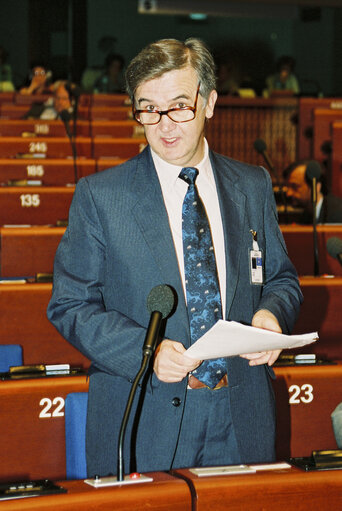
point(299, 242)
point(305, 398)
point(51, 172)
point(24, 322)
point(34, 205)
point(321, 311)
point(32, 441)
point(28, 251)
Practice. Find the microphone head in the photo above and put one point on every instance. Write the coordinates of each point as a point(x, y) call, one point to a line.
point(260, 145)
point(313, 170)
point(65, 115)
point(161, 299)
point(73, 90)
point(334, 247)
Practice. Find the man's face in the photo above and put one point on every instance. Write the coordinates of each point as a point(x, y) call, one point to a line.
point(297, 188)
point(177, 143)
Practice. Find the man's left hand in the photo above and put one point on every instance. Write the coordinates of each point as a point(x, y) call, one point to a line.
point(264, 319)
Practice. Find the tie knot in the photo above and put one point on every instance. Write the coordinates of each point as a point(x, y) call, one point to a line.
point(189, 174)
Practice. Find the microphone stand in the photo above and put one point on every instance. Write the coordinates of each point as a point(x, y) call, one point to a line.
point(148, 350)
point(314, 226)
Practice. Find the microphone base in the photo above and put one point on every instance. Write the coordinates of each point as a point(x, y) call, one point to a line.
point(100, 482)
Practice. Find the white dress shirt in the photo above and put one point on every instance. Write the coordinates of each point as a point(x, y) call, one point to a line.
point(174, 190)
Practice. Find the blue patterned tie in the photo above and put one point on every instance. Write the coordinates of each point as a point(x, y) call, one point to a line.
point(202, 288)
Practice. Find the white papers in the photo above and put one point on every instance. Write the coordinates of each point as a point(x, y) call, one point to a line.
point(229, 338)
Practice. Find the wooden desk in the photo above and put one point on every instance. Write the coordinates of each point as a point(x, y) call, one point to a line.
point(110, 100)
point(306, 107)
point(281, 490)
point(336, 159)
point(165, 493)
point(51, 172)
point(49, 147)
point(114, 113)
point(305, 398)
point(34, 205)
point(32, 441)
point(299, 242)
point(321, 311)
point(6, 97)
point(238, 122)
point(322, 120)
point(106, 163)
point(25, 323)
point(13, 111)
point(117, 129)
point(117, 147)
point(24, 252)
point(40, 128)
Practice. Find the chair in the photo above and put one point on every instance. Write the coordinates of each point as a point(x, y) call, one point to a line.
point(75, 414)
point(10, 355)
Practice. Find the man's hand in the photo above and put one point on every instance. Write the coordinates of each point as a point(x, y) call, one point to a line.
point(170, 365)
point(264, 319)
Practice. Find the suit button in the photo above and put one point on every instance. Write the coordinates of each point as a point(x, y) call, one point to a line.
point(176, 401)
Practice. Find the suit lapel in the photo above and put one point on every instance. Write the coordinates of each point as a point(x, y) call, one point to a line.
point(151, 216)
point(232, 204)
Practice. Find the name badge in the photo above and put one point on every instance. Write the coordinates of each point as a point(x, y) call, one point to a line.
point(255, 263)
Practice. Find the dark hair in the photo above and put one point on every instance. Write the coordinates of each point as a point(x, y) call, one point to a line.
point(285, 61)
point(322, 179)
point(168, 55)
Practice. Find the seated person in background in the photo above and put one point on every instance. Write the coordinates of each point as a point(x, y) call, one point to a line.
point(52, 107)
point(6, 84)
point(228, 79)
point(283, 79)
point(112, 80)
point(39, 81)
point(329, 207)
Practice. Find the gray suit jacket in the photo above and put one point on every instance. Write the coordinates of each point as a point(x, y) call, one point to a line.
point(117, 247)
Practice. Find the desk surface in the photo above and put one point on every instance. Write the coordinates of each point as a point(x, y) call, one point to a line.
point(164, 493)
point(288, 489)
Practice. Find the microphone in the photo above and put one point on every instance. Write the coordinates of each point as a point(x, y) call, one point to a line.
point(312, 173)
point(334, 247)
point(160, 303)
point(73, 90)
point(260, 146)
point(65, 116)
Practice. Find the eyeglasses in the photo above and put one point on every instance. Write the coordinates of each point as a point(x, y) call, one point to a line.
point(182, 114)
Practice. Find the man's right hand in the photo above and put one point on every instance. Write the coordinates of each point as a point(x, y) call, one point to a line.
point(170, 364)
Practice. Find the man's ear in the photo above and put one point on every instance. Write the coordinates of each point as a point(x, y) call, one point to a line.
point(209, 109)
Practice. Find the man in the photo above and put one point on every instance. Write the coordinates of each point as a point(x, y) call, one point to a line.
point(125, 237)
point(299, 190)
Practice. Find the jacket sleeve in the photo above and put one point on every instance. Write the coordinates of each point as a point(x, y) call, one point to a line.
point(281, 292)
point(77, 308)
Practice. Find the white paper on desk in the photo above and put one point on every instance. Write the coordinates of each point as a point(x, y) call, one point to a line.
point(229, 338)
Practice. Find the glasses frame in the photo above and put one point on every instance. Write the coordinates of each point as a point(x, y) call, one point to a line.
point(166, 112)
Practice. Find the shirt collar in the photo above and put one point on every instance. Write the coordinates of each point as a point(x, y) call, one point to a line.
point(171, 172)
